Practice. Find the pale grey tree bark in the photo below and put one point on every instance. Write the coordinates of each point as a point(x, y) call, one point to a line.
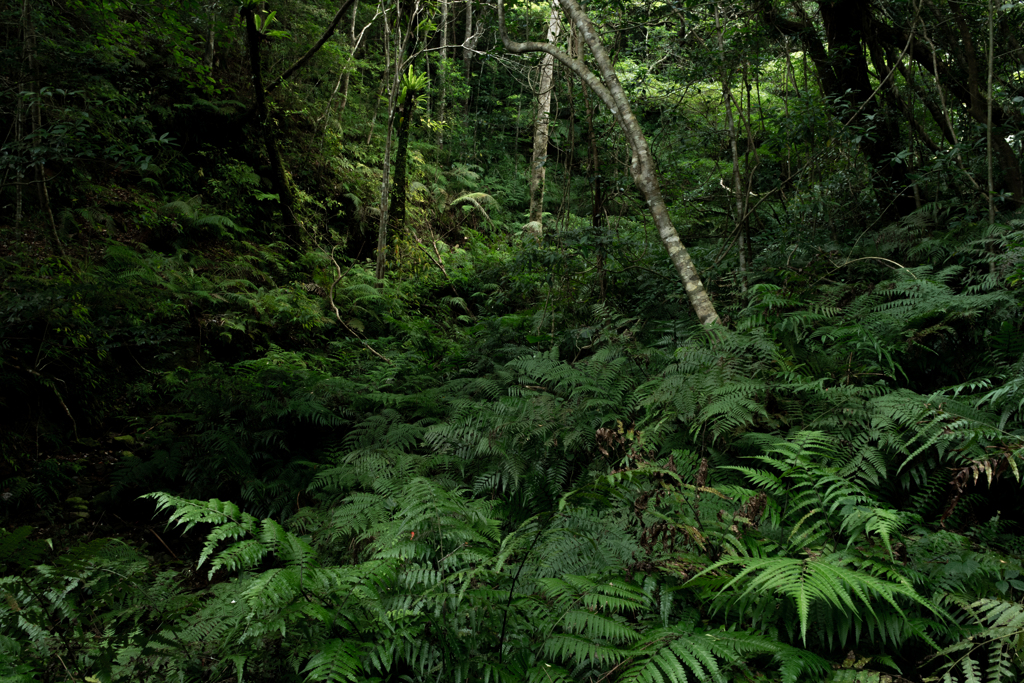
point(442, 74)
point(542, 121)
point(467, 43)
point(354, 43)
point(606, 85)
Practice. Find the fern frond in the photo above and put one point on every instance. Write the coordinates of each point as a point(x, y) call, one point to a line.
point(338, 660)
point(826, 582)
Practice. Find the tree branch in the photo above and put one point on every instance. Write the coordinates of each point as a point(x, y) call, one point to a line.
point(337, 313)
point(328, 32)
point(575, 65)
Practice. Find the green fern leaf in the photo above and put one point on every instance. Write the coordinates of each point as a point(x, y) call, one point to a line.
point(339, 660)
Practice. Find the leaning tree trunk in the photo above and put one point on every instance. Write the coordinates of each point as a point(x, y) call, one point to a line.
point(277, 173)
point(540, 127)
point(606, 85)
point(324, 37)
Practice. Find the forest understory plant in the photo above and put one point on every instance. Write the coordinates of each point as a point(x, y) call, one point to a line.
point(237, 446)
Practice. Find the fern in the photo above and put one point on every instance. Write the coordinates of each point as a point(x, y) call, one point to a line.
point(477, 200)
point(999, 643)
point(188, 210)
point(338, 661)
point(848, 594)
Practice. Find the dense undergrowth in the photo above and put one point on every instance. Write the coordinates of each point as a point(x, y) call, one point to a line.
point(516, 457)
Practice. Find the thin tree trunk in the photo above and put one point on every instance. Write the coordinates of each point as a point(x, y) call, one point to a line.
point(211, 43)
point(277, 173)
point(468, 47)
point(355, 46)
point(988, 132)
point(399, 188)
point(19, 175)
point(945, 111)
point(401, 49)
point(467, 51)
point(442, 73)
point(385, 184)
point(35, 111)
point(597, 212)
point(301, 61)
point(982, 108)
point(608, 88)
point(376, 110)
point(988, 119)
point(49, 212)
point(737, 183)
point(19, 121)
point(752, 149)
point(540, 128)
point(385, 191)
point(355, 42)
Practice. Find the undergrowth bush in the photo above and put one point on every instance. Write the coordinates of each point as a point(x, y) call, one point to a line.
point(723, 504)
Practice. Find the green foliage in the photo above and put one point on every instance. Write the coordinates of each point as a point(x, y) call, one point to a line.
point(515, 458)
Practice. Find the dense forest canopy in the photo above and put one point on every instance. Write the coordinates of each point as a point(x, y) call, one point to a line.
point(437, 340)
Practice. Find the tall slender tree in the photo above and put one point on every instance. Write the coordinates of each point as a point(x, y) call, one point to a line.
point(605, 83)
point(541, 122)
point(739, 196)
point(278, 177)
point(413, 87)
point(442, 74)
point(403, 33)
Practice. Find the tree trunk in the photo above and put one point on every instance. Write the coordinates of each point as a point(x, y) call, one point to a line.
point(278, 177)
point(737, 183)
point(597, 211)
point(402, 48)
point(385, 192)
point(35, 112)
point(442, 74)
point(468, 46)
point(19, 175)
point(847, 28)
point(988, 123)
point(324, 37)
point(983, 110)
point(398, 189)
point(608, 88)
point(355, 46)
point(845, 79)
point(540, 127)
point(19, 121)
point(211, 43)
point(467, 41)
point(344, 78)
point(850, 28)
